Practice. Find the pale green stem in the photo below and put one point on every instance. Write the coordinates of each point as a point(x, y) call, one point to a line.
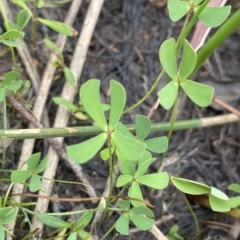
point(147, 94)
point(173, 119)
point(108, 232)
point(7, 194)
point(193, 214)
point(4, 127)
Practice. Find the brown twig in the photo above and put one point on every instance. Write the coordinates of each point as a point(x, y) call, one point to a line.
point(226, 106)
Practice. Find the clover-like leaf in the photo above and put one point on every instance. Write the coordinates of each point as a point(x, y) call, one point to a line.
point(189, 186)
point(177, 9)
point(122, 224)
point(168, 58)
point(66, 103)
point(84, 220)
point(234, 187)
point(10, 76)
point(90, 97)
point(117, 103)
point(52, 221)
point(7, 215)
point(135, 192)
point(18, 176)
point(33, 160)
point(123, 180)
point(143, 126)
point(82, 152)
point(142, 217)
point(69, 76)
point(234, 202)
point(168, 94)
point(11, 43)
point(58, 27)
point(219, 194)
point(42, 165)
point(23, 19)
point(144, 167)
point(132, 149)
point(2, 232)
point(146, 155)
point(12, 34)
point(220, 15)
point(35, 183)
point(154, 180)
point(200, 94)
point(188, 60)
point(123, 204)
point(157, 145)
point(22, 4)
point(105, 154)
point(219, 205)
point(14, 86)
point(128, 167)
point(73, 236)
point(124, 131)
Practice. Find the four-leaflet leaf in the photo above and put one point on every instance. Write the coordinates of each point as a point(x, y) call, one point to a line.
point(90, 97)
point(200, 94)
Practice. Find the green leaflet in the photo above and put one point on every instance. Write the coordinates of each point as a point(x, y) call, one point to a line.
point(82, 152)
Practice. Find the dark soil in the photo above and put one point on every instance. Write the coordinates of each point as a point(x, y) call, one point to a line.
point(125, 47)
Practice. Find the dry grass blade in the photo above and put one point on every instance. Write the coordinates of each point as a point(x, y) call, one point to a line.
point(68, 93)
point(41, 99)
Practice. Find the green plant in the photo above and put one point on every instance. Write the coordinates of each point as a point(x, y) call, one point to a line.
point(133, 149)
point(173, 233)
point(60, 62)
point(34, 168)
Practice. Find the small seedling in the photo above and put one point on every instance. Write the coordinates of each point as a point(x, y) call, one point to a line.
point(34, 168)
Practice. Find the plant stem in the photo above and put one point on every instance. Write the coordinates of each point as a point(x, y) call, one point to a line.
point(7, 27)
point(108, 232)
point(4, 127)
point(7, 194)
point(110, 161)
point(193, 214)
point(93, 130)
point(193, 20)
point(173, 119)
point(148, 93)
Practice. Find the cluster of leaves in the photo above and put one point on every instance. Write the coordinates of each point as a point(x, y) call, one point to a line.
point(90, 97)
point(34, 168)
point(7, 215)
point(15, 31)
point(234, 201)
point(141, 216)
point(132, 151)
point(77, 228)
point(9, 83)
point(218, 200)
point(178, 9)
point(200, 94)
